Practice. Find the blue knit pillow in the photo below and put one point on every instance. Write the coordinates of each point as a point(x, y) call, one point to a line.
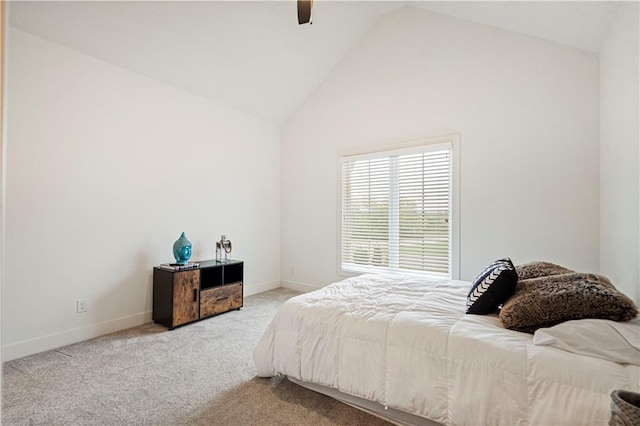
point(492, 287)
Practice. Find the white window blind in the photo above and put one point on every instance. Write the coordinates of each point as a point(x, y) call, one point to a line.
point(396, 211)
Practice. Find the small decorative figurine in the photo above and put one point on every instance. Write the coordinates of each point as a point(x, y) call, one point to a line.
point(221, 245)
point(182, 249)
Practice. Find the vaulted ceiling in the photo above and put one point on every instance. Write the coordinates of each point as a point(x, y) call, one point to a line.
point(253, 56)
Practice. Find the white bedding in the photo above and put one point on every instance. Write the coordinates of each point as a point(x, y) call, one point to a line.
point(617, 341)
point(406, 343)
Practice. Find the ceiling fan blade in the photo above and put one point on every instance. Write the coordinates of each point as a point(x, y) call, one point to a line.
point(304, 11)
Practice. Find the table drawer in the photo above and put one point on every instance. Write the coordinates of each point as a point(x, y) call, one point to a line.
point(220, 299)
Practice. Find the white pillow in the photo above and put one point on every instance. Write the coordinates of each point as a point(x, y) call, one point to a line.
point(610, 340)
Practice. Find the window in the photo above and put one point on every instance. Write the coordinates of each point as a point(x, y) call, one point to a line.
point(398, 210)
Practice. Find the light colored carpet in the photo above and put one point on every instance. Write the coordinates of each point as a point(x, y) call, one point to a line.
point(199, 374)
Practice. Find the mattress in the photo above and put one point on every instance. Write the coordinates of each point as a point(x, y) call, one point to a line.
point(405, 343)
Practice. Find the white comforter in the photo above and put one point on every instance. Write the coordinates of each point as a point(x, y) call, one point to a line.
point(406, 343)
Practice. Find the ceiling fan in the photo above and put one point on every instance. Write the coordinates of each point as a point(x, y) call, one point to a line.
point(304, 11)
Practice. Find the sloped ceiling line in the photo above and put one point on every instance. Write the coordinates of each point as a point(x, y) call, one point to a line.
point(253, 56)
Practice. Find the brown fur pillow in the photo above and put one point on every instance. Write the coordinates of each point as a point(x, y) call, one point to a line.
point(546, 301)
point(539, 269)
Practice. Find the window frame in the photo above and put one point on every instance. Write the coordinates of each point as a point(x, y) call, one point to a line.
point(453, 141)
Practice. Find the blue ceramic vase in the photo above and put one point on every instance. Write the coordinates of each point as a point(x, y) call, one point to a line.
point(182, 249)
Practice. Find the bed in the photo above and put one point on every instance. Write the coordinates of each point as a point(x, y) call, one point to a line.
point(403, 348)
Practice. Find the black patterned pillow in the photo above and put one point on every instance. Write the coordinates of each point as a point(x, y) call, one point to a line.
point(492, 287)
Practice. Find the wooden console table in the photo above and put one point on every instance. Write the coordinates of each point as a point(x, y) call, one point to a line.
point(181, 297)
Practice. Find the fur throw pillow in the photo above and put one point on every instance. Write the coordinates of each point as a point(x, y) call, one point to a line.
point(539, 269)
point(547, 301)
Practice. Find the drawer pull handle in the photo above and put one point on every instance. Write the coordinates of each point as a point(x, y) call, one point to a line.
point(222, 298)
point(195, 294)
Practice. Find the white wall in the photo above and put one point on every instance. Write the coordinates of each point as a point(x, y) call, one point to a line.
point(619, 156)
point(105, 169)
point(527, 112)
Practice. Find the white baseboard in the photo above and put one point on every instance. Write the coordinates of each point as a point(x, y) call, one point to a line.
point(260, 288)
point(56, 340)
point(298, 286)
point(68, 337)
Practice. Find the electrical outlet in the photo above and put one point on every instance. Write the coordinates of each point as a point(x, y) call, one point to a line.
point(81, 306)
point(293, 269)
